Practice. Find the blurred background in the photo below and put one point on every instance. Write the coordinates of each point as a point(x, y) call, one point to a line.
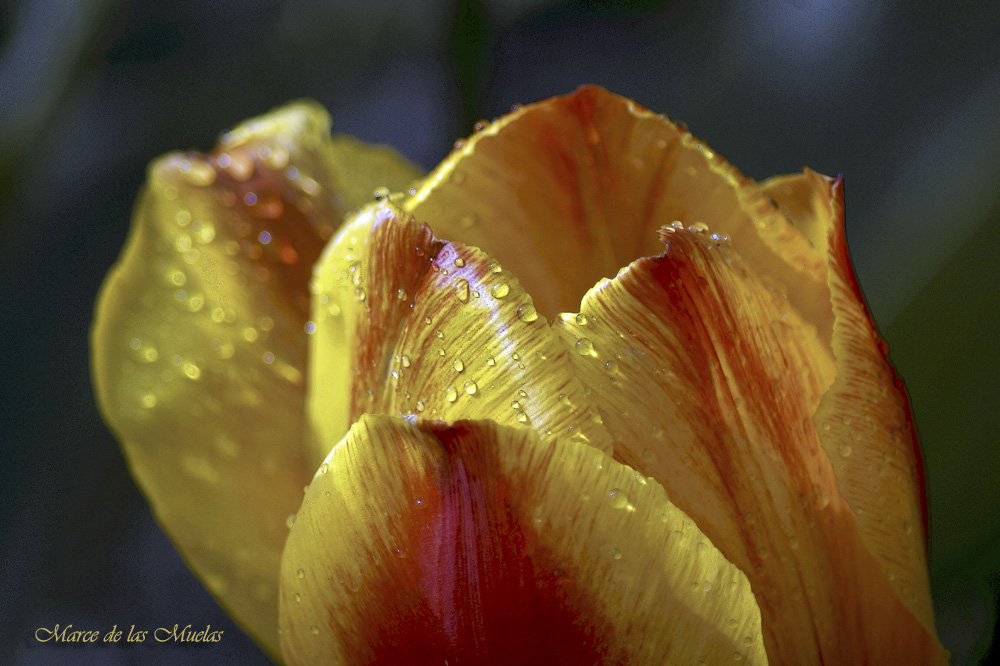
point(903, 98)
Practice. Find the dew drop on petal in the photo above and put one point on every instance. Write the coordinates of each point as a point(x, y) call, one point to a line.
point(499, 290)
point(451, 395)
point(462, 290)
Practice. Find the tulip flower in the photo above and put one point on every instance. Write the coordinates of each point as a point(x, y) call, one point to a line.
point(583, 394)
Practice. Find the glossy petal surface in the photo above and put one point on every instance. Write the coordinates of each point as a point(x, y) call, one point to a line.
point(408, 324)
point(421, 543)
point(709, 383)
point(199, 346)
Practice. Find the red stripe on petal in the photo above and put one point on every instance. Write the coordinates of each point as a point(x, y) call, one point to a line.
point(481, 590)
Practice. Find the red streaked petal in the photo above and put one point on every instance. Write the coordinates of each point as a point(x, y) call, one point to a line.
point(713, 390)
point(408, 324)
point(866, 414)
point(422, 543)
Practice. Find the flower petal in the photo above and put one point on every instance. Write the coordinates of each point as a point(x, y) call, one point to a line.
point(408, 324)
point(866, 413)
point(569, 190)
point(709, 384)
point(423, 543)
point(199, 348)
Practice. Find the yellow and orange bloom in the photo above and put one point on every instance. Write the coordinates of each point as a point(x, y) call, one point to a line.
point(583, 394)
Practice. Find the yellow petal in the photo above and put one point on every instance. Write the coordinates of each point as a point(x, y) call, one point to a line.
point(569, 190)
point(423, 543)
point(199, 346)
point(715, 384)
point(408, 324)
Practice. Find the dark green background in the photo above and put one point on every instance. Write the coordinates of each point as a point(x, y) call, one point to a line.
point(903, 98)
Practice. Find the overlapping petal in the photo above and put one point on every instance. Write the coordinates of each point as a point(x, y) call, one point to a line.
point(199, 346)
point(408, 324)
point(572, 189)
point(709, 387)
point(865, 414)
point(424, 543)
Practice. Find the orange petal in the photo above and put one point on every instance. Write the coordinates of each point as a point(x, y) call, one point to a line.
point(709, 383)
point(571, 189)
point(408, 324)
point(866, 417)
point(423, 543)
point(199, 348)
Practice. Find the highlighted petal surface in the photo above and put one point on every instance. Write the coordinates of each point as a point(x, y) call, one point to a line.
point(422, 543)
point(408, 324)
point(710, 383)
point(199, 347)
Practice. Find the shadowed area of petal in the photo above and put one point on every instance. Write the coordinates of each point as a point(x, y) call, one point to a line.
point(866, 418)
point(408, 324)
point(199, 347)
point(709, 384)
point(424, 543)
point(571, 189)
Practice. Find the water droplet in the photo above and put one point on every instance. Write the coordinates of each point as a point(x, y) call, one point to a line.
point(459, 365)
point(192, 371)
point(301, 573)
point(298, 597)
point(471, 387)
point(527, 313)
point(451, 395)
point(420, 405)
point(459, 262)
point(495, 267)
point(698, 227)
point(499, 290)
point(616, 554)
point(439, 334)
point(405, 361)
point(845, 450)
point(361, 294)
point(491, 361)
point(522, 417)
point(291, 521)
point(611, 367)
point(381, 193)
point(401, 295)
point(324, 468)
point(462, 289)
point(315, 630)
point(585, 347)
point(310, 327)
point(581, 319)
